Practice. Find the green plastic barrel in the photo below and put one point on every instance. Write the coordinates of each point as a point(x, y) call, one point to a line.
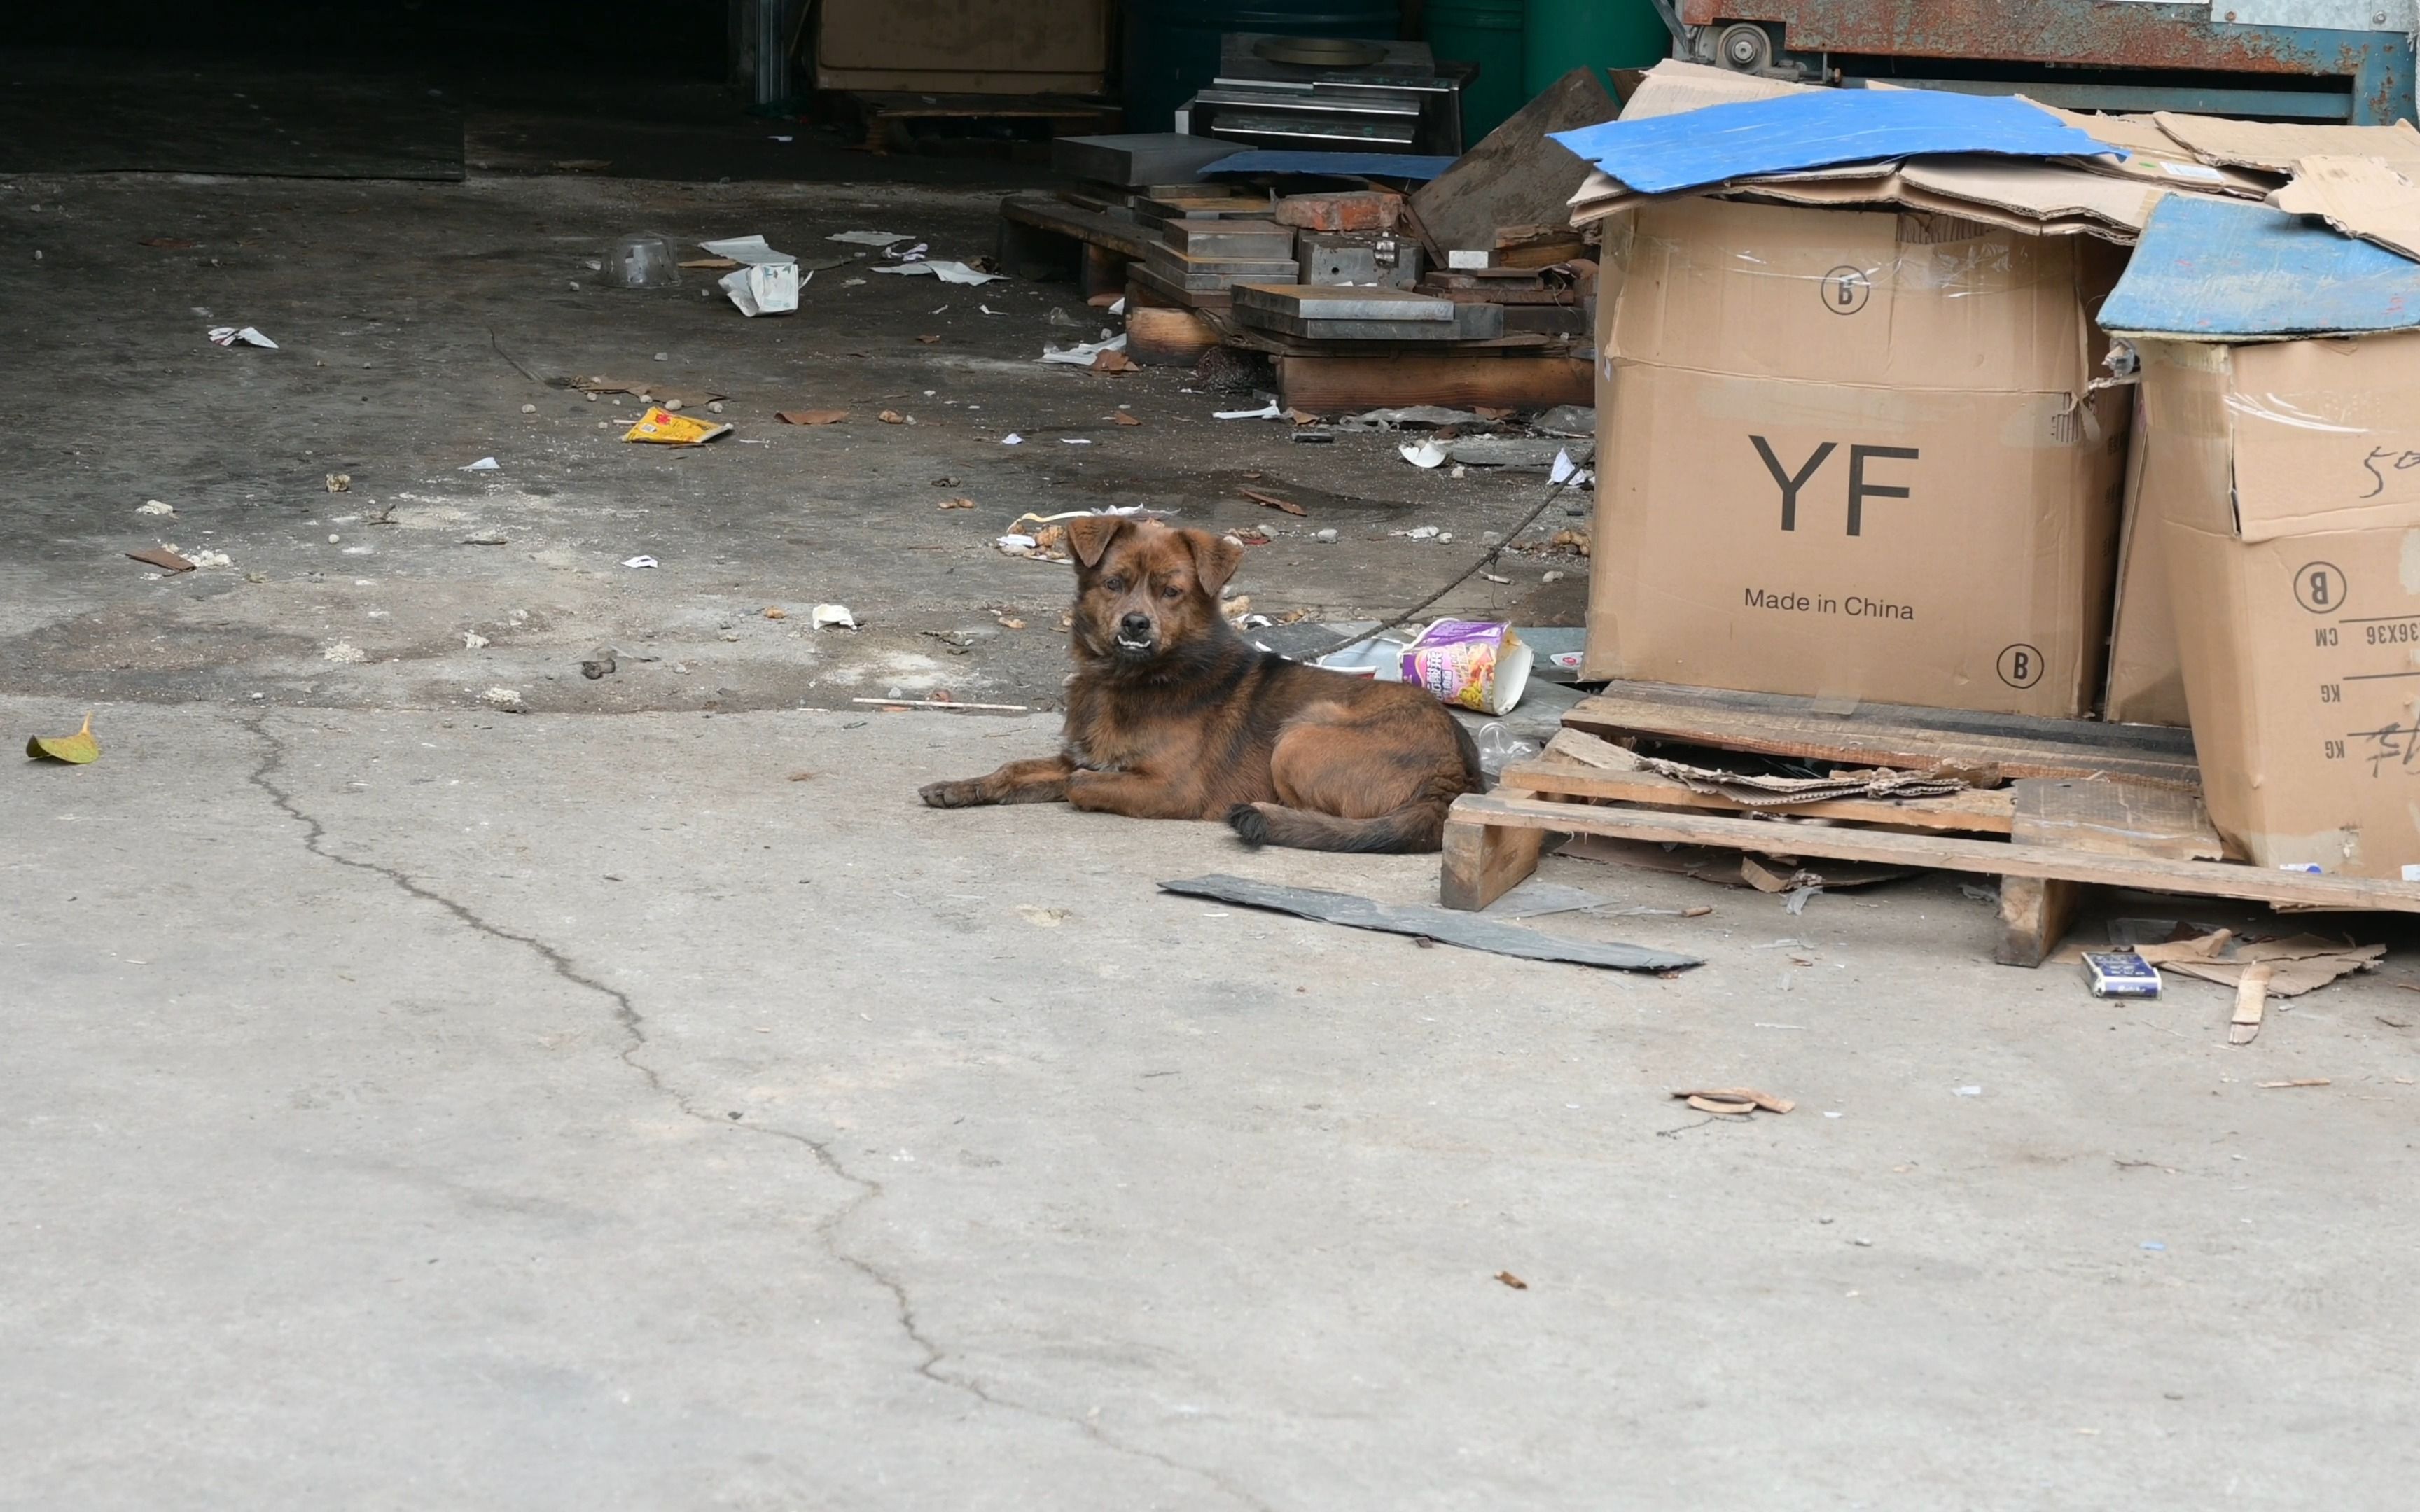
point(1565, 35)
point(1172, 47)
point(1487, 33)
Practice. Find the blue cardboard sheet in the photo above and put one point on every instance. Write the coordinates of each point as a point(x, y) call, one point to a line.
point(2217, 268)
point(1817, 130)
point(1335, 164)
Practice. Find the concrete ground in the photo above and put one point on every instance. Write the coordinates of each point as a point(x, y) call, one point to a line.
point(641, 1103)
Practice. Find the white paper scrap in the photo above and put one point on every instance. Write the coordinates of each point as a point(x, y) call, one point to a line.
point(1267, 411)
point(948, 272)
point(1422, 454)
point(230, 336)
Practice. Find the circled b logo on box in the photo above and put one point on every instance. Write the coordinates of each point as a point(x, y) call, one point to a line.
point(2021, 664)
point(2320, 587)
point(1846, 289)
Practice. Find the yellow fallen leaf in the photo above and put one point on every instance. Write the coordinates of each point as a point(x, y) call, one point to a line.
point(76, 750)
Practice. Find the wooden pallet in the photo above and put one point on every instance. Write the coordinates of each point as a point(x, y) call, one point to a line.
point(2091, 804)
point(1066, 117)
point(1039, 233)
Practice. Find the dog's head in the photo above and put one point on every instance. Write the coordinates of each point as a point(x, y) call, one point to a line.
point(1144, 592)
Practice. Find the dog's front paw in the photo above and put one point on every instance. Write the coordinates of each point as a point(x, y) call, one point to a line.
point(964, 794)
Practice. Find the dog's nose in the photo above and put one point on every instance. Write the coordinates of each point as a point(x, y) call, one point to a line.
point(1135, 626)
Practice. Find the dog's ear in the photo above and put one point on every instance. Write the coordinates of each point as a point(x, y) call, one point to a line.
point(1092, 535)
point(1215, 558)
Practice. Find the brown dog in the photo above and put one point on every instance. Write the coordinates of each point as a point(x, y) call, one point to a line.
point(1172, 715)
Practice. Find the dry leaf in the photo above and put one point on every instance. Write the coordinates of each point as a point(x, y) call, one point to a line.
point(1009, 621)
point(811, 417)
point(958, 503)
point(1512, 1280)
point(340, 481)
point(802, 777)
point(1745, 1098)
point(77, 750)
point(892, 417)
point(1114, 362)
point(777, 614)
point(1124, 419)
point(1273, 502)
point(928, 340)
point(164, 559)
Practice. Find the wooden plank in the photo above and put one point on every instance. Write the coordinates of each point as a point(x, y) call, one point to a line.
point(2114, 818)
point(1483, 862)
point(1892, 735)
point(1046, 212)
point(2035, 916)
point(1324, 385)
point(1951, 853)
point(1983, 813)
point(1161, 338)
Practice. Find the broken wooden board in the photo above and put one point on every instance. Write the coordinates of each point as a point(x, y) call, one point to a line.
point(1878, 734)
point(1950, 852)
point(1445, 926)
point(1980, 813)
point(1507, 381)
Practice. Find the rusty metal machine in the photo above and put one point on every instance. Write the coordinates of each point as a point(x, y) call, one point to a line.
point(2316, 60)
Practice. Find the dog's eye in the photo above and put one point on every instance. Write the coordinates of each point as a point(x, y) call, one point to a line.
point(1114, 585)
point(1172, 592)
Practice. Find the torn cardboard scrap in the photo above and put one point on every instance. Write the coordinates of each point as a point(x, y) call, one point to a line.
point(1734, 1100)
point(2292, 966)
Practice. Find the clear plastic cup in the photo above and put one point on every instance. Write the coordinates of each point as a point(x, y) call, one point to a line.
point(642, 260)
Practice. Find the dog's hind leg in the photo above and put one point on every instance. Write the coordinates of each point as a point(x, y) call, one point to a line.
point(1043, 779)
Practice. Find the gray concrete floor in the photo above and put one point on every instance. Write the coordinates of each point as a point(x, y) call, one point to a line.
point(642, 1102)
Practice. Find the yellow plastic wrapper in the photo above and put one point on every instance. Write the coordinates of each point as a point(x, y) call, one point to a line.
point(661, 427)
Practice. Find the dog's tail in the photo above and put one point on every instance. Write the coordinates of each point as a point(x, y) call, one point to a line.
point(1418, 825)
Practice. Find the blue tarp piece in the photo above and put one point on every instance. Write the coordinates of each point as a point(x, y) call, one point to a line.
point(1819, 129)
point(2231, 267)
point(1336, 165)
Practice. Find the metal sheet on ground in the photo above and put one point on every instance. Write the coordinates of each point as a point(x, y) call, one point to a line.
point(1471, 932)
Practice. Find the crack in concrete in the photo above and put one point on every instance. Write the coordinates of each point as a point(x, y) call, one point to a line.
point(634, 1030)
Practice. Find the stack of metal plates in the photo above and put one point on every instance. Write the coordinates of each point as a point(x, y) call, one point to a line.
point(1327, 312)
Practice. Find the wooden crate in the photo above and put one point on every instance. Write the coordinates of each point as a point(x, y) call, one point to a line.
point(2086, 805)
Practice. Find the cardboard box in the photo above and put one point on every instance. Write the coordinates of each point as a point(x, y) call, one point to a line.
point(968, 47)
point(2147, 684)
point(2287, 478)
point(1853, 454)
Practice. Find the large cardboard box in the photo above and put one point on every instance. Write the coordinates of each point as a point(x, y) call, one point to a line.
point(2147, 684)
point(2287, 476)
point(1853, 454)
point(968, 47)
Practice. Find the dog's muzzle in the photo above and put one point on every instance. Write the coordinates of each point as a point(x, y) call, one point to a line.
point(1136, 637)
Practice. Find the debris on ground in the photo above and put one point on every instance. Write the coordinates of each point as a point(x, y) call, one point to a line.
point(943, 702)
point(959, 502)
point(485, 464)
point(1423, 454)
point(947, 272)
point(507, 698)
point(78, 749)
point(662, 427)
point(1084, 353)
point(638, 561)
point(869, 238)
point(1446, 926)
point(1266, 411)
point(1273, 502)
point(244, 335)
point(164, 559)
point(2295, 966)
point(1471, 664)
point(765, 282)
point(1734, 1101)
point(153, 506)
point(340, 481)
point(344, 653)
point(2119, 974)
point(811, 417)
point(824, 616)
point(599, 663)
point(1512, 1280)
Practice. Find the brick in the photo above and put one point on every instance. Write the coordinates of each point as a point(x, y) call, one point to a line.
point(1362, 209)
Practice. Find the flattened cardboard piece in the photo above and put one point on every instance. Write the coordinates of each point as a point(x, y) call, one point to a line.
point(1859, 463)
point(2274, 147)
point(2286, 480)
point(2146, 684)
point(1673, 86)
point(2155, 156)
point(2364, 197)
